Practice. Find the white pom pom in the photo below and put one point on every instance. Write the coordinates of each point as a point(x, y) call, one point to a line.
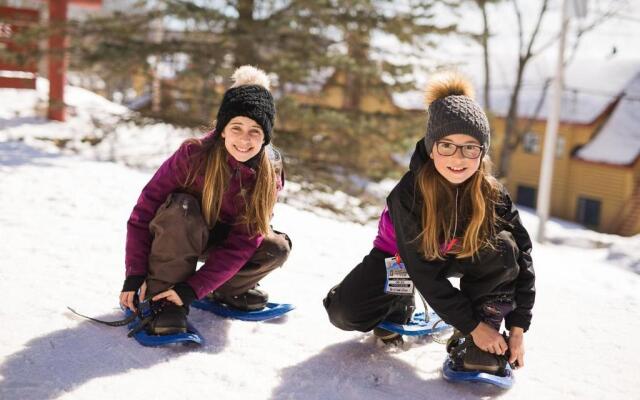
point(249, 75)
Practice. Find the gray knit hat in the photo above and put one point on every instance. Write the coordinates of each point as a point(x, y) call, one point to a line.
point(452, 110)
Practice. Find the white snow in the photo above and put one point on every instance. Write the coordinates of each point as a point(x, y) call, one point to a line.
point(90, 117)
point(618, 141)
point(63, 227)
point(62, 230)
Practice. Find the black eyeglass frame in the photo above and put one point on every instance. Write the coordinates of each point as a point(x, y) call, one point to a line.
point(461, 147)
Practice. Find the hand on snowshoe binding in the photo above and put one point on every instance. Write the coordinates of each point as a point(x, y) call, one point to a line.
point(163, 314)
point(466, 355)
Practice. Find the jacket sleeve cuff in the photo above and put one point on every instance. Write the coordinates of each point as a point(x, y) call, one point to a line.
point(518, 320)
point(186, 293)
point(467, 327)
point(133, 283)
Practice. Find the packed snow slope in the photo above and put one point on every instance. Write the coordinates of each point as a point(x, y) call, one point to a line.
point(62, 231)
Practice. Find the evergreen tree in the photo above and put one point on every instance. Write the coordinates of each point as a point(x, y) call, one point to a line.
point(294, 40)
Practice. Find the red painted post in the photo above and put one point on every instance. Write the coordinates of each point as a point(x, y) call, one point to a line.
point(57, 59)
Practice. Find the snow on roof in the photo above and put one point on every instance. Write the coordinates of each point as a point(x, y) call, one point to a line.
point(618, 141)
point(590, 86)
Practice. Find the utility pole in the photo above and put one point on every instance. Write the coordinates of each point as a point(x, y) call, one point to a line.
point(553, 120)
point(578, 7)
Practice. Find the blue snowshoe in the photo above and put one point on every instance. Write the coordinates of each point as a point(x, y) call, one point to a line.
point(504, 380)
point(148, 330)
point(418, 325)
point(269, 311)
point(147, 327)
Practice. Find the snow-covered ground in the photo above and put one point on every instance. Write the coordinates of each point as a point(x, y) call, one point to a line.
point(62, 230)
point(62, 222)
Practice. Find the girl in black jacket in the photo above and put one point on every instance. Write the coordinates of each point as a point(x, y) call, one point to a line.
point(448, 217)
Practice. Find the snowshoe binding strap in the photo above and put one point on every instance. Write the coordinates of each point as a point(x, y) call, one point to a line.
point(145, 311)
point(122, 322)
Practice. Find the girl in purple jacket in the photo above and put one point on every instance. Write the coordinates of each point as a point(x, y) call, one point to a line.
point(212, 201)
point(447, 217)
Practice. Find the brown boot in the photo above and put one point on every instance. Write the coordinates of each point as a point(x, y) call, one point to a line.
point(388, 337)
point(170, 319)
point(251, 300)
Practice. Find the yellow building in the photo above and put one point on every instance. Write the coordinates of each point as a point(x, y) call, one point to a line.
point(331, 93)
point(596, 179)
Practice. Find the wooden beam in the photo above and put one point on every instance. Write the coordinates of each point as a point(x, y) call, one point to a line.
point(17, 83)
point(57, 59)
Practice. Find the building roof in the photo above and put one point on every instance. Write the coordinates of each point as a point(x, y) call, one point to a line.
point(590, 86)
point(618, 141)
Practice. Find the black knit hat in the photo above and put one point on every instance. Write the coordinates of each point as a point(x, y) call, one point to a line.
point(248, 97)
point(453, 110)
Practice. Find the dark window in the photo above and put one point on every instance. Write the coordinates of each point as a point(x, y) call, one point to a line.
point(526, 196)
point(588, 213)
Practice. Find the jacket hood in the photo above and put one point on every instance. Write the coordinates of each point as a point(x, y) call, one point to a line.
point(419, 157)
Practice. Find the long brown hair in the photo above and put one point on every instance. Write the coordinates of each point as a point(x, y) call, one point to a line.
point(210, 158)
point(475, 212)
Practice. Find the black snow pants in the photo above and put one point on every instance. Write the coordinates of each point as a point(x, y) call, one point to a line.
point(360, 303)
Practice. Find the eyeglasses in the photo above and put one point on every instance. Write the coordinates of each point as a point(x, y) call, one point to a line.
point(448, 149)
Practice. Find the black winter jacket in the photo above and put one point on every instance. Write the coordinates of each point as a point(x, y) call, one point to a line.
point(508, 270)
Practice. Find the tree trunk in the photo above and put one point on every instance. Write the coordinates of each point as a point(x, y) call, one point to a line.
point(358, 49)
point(245, 33)
point(510, 140)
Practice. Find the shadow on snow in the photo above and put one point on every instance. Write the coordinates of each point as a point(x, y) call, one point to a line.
point(60, 361)
point(360, 370)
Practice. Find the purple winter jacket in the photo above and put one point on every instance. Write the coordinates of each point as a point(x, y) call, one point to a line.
point(225, 260)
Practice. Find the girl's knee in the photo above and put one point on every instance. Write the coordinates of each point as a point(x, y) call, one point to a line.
point(278, 246)
point(342, 314)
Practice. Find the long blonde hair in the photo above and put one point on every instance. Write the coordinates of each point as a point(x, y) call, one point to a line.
point(210, 159)
point(475, 213)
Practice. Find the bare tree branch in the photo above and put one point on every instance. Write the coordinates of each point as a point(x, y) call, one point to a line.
point(534, 34)
point(520, 27)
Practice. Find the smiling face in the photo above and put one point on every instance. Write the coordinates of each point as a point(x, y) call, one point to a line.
point(243, 138)
point(456, 168)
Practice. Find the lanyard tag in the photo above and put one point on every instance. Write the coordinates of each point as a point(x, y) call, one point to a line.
point(398, 280)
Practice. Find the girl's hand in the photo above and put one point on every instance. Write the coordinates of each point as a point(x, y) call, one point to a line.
point(169, 295)
point(488, 339)
point(126, 298)
point(516, 346)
